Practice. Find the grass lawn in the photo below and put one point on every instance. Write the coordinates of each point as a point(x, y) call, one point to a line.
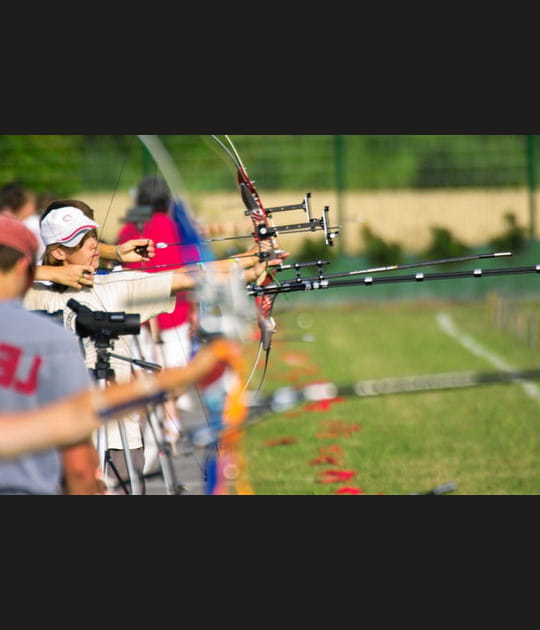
point(485, 439)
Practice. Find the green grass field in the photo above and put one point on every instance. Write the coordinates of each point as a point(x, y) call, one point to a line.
point(485, 439)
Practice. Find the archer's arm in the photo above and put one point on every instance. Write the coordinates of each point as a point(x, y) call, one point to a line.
point(253, 268)
point(184, 280)
point(72, 275)
point(125, 252)
point(69, 275)
point(80, 464)
point(75, 417)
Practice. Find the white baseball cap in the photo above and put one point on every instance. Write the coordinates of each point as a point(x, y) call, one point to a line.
point(66, 226)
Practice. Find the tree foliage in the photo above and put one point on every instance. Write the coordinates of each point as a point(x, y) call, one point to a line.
point(69, 163)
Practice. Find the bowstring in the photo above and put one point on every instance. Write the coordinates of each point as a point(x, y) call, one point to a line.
point(186, 354)
point(159, 353)
point(184, 350)
point(117, 185)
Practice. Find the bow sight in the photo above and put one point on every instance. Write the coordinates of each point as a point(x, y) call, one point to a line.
point(261, 215)
point(311, 225)
point(265, 231)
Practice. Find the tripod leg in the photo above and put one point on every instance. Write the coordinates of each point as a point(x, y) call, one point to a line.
point(132, 473)
point(110, 464)
point(101, 447)
point(101, 437)
point(164, 453)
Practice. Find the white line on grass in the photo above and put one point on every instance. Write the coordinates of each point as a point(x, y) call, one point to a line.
point(448, 326)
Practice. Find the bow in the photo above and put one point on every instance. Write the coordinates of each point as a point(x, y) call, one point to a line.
point(225, 310)
point(223, 306)
point(264, 231)
point(214, 394)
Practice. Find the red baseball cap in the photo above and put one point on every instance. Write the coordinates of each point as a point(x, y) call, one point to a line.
point(16, 235)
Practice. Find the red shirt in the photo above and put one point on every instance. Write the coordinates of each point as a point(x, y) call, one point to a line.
point(161, 228)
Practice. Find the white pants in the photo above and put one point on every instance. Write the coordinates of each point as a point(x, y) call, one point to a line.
point(173, 351)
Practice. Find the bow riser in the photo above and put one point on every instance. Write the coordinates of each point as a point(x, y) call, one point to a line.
point(266, 232)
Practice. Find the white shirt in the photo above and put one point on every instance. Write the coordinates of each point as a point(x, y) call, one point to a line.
point(32, 223)
point(130, 292)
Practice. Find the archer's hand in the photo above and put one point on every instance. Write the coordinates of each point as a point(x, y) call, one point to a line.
point(257, 273)
point(137, 250)
point(277, 256)
point(251, 256)
point(74, 276)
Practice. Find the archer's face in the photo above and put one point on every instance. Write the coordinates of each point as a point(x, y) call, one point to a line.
point(27, 210)
point(86, 254)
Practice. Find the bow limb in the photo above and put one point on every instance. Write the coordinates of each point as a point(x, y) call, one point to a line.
point(221, 392)
point(231, 470)
point(188, 234)
point(225, 312)
point(165, 163)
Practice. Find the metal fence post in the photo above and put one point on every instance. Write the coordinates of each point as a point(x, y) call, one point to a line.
point(339, 162)
point(531, 182)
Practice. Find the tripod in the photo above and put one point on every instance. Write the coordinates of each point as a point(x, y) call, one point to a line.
point(102, 328)
point(155, 416)
point(104, 374)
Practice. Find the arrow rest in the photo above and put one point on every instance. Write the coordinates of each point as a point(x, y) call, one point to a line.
point(264, 231)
